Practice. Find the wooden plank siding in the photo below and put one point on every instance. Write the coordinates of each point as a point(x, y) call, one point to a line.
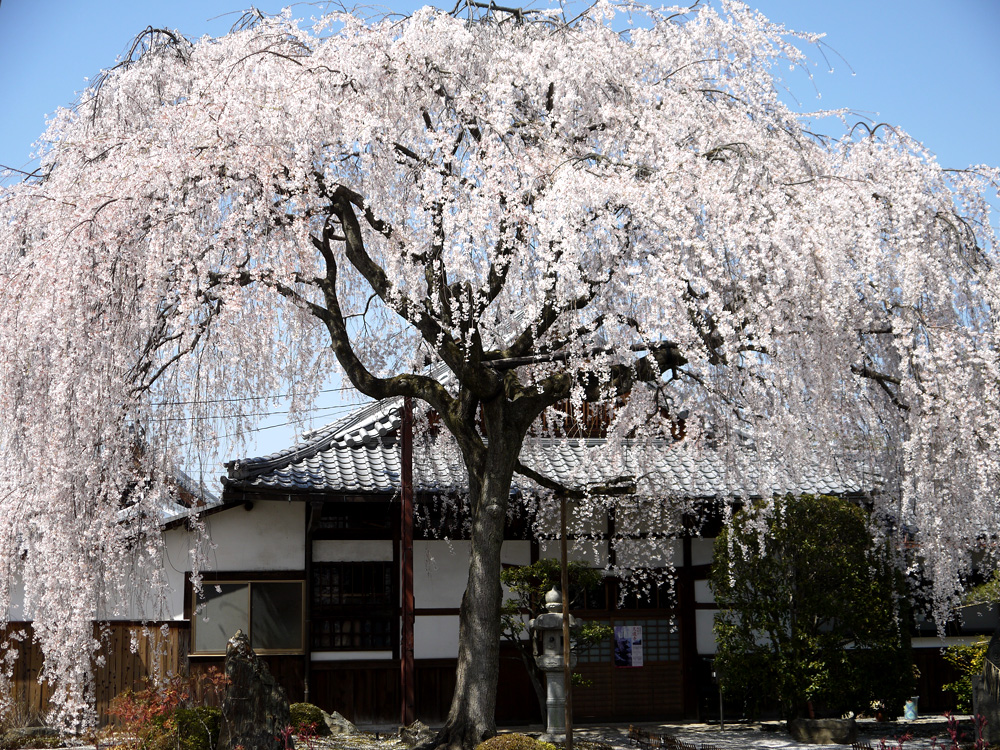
point(654, 691)
point(156, 657)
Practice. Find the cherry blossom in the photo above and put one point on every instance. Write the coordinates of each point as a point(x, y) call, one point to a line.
point(549, 211)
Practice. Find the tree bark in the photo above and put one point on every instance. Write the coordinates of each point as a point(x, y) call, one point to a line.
point(471, 718)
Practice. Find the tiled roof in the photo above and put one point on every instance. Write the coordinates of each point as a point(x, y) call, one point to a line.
point(203, 498)
point(358, 455)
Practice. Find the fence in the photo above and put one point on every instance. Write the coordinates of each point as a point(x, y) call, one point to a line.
point(156, 655)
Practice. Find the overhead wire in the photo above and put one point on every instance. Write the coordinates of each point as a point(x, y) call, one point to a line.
point(237, 399)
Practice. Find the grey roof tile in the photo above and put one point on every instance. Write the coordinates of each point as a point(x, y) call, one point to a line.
point(356, 454)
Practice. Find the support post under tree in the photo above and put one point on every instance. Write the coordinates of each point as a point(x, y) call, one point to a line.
point(406, 564)
point(567, 666)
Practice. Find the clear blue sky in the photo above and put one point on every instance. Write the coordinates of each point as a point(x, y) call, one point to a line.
point(931, 67)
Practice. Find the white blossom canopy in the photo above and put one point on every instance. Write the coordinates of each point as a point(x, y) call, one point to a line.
point(564, 208)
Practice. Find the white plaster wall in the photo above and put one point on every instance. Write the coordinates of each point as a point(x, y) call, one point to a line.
point(441, 570)
point(515, 553)
point(596, 523)
point(378, 550)
point(950, 640)
point(703, 593)
point(704, 621)
point(435, 637)
point(650, 553)
point(269, 537)
point(349, 655)
point(701, 551)
point(594, 555)
point(15, 611)
point(144, 603)
point(177, 544)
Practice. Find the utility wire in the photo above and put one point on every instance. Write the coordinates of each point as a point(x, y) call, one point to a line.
point(220, 438)
point(250, 414)
point(250, 398)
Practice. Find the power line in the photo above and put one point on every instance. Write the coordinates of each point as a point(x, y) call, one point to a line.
point(221, 438)
point(250, 398)
point(250, 414)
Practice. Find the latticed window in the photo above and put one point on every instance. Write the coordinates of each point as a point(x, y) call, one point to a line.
point(660, 638)
point(352, 606)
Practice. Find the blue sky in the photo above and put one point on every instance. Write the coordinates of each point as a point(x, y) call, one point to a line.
point(932, 68)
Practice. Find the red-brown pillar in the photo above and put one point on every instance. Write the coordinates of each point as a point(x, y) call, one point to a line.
point(406, 565)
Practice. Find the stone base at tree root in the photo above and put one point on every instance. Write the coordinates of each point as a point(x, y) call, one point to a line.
point(824, 731)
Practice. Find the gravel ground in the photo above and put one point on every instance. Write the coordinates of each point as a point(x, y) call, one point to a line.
point(769, 736)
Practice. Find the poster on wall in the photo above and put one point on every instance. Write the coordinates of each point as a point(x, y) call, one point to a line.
point(628, 645)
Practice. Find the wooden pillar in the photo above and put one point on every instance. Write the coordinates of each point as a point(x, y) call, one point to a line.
point(311, 511)
point(406, 559)
point(564, 582)
point(689, 633)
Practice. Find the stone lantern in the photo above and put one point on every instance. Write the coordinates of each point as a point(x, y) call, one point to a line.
point(547, 631)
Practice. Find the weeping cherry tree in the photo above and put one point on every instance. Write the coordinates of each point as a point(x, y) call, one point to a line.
point(552, 211)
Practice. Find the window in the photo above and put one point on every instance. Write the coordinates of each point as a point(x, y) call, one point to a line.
point(660, 642)
point(353, 606)
point(269, 612)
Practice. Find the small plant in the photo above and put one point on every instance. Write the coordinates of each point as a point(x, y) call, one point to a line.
point(144, 719)
point(286, 737)
point(883, 743)
point(955, 732)
point(168, 716)
point(979, 724)
point(307, 734)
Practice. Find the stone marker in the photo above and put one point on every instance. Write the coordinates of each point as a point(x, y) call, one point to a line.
point(416, 733)
point(255, 709)
point(337, 724)
point(985, 689)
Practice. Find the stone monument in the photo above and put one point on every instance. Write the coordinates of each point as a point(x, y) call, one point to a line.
point(255, 710)
point(547, 631)
point(986, 692)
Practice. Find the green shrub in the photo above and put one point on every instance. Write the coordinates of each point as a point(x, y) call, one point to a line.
point(809, 610)
point(514, 741)
point(306, 714)
point(198, 727)
point(968, 660)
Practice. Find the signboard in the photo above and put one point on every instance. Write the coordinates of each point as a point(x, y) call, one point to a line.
point(628, 645)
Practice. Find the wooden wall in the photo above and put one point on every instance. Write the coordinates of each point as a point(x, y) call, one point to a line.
point(157, 656)
point(654, 691)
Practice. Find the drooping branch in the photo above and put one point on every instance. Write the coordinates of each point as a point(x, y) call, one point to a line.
point(624, 486)
point(883, 381)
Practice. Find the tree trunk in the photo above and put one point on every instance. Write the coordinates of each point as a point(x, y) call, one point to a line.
point(536, 675)
point(471, 718)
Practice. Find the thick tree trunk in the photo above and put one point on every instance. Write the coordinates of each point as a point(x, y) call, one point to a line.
point(471, 718)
